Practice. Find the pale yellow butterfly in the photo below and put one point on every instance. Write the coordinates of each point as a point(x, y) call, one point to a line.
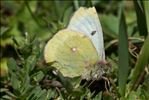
point(76, 50)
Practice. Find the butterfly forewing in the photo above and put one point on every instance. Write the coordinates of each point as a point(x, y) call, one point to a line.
point(86, 21)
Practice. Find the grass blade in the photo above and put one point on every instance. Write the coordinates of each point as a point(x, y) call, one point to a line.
point(123, 55)
point(76, 4)
point(143, 58)
point(141, 20)
point(146, 9)
point(142, 61)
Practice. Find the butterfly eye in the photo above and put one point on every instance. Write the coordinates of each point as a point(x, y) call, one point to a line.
point(93, 32)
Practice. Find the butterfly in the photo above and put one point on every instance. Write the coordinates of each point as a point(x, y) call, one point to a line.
point(78, 49)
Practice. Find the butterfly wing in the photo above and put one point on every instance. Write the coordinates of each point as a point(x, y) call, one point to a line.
point(86, 21)
point(72, 52)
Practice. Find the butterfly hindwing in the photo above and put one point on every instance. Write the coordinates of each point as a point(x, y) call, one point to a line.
point(72, 51)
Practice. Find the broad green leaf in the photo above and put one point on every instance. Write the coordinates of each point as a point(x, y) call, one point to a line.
point(109, 24)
